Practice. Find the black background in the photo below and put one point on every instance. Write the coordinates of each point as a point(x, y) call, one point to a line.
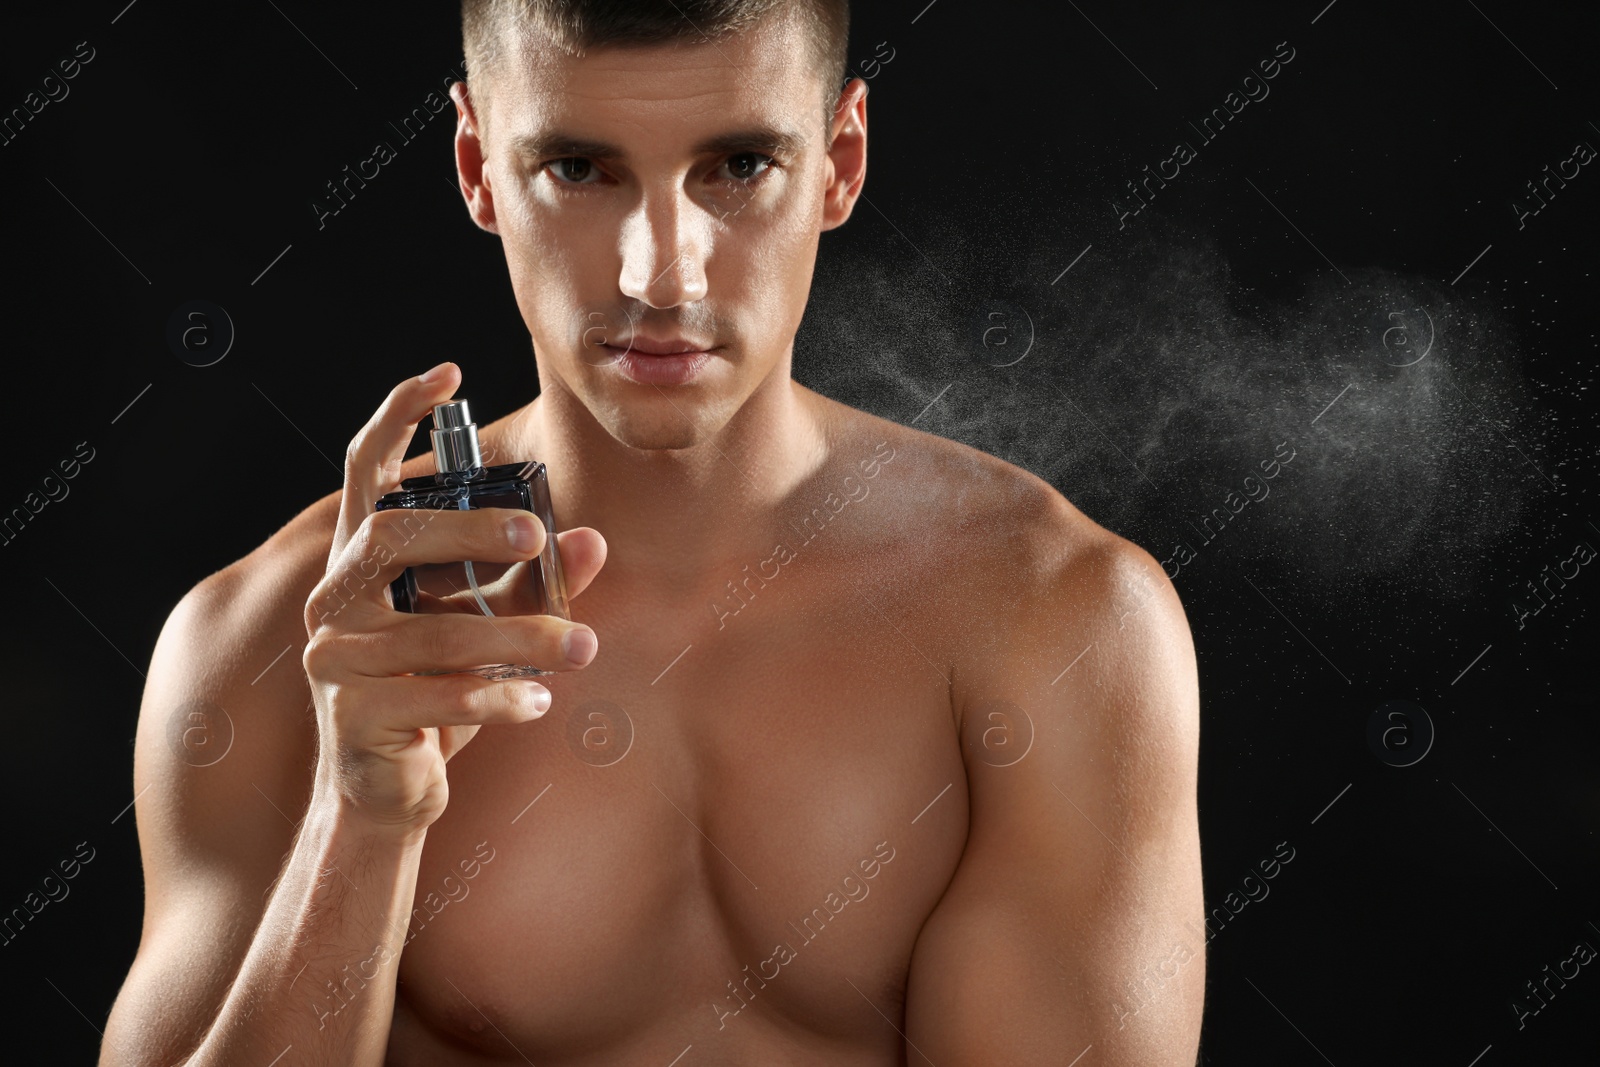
point(1171, 358)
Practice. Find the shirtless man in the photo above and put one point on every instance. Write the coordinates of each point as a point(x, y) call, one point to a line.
point(887, 753)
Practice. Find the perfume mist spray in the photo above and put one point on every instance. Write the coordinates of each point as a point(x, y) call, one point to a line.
point(463, 483)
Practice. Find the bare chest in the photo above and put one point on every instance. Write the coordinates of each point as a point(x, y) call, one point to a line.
point(727, 831)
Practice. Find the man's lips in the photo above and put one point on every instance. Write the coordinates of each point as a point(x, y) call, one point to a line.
point(670, 368)
point(664, 346)
point(635, 350)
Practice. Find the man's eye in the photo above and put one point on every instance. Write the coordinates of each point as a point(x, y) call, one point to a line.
point(574, 165)
point(743, 166)
point(746, 168)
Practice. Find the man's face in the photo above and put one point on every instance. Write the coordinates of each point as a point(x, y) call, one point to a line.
point(667, 236)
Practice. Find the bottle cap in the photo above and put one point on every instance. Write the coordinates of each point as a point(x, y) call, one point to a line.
point(455, 438)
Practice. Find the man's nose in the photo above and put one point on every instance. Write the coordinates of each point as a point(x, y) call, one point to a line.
point(663, 250)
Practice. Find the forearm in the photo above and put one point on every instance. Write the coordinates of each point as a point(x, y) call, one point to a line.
point(320, 972)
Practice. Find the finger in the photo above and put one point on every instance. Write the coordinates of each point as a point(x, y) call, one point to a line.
point(386, 542)
point(583, 553)
point(458, 642)
point(372, 461)
point(413, 704)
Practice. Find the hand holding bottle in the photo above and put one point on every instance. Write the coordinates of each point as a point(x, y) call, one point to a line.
point(385, 731)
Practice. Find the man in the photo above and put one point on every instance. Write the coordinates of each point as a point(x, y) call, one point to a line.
point(887, 753)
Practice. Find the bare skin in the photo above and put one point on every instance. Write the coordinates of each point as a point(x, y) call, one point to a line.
point(628, 877)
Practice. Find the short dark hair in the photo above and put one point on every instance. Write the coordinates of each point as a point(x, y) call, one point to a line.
point(575, 26)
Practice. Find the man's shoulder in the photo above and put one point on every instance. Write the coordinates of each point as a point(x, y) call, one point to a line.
point(280, 571)
point(1033, 583)
point(287, 565)
point(1013, 550)
point(1020, 521)
point(239, 627)
point(225, 688)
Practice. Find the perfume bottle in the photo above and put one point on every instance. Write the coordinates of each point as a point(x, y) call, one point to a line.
point(463, 483)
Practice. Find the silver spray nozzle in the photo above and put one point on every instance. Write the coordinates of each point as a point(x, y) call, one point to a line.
point(455, 438)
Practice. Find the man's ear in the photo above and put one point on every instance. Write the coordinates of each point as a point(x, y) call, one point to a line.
point(847, 158)
point(469, 160)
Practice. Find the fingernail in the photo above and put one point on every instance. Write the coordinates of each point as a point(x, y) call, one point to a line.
point(541, 698)
point(522, 533)
point(579, 646)
point(434, 375)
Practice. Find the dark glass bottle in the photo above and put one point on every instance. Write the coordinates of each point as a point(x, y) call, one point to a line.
point(463, 483)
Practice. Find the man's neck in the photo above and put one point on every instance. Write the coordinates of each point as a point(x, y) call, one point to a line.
point(670, 516)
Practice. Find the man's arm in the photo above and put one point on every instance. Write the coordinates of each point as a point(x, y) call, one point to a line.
point(1073, 919)
point(252, 930)
point(221, 975)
